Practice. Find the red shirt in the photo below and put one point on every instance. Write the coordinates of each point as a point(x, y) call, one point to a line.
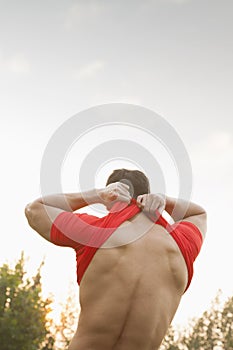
point(86, 234)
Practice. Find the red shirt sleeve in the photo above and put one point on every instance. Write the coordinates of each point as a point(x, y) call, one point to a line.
point(190, 234)
point(72, 229)
point(189, 239)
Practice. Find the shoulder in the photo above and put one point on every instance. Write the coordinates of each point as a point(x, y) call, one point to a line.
point(199, 221)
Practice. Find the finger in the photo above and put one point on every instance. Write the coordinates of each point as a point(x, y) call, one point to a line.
point(161, 208)
point(122, 190)
point(154, 215)
point(124, 198)
point(138, 201)
point(141, 200)
point(118, 191)
point(120, 186)
point(124, 194)
point(148, 204)
point(152, 204)
point(123, 185)
point(152, 207)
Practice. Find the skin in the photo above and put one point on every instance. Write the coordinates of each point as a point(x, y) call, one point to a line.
point(130, 292)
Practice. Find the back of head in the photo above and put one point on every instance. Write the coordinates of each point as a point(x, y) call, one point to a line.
point(137, 181)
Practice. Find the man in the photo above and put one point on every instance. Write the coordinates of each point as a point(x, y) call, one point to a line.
point(132, 266)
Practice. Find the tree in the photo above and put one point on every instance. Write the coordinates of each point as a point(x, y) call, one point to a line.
point(212, 331)
point(24, 320)
point(67, 325)
point(171, 340)
point(227, 324)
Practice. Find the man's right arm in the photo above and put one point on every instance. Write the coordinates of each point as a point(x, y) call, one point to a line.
point(178, 209)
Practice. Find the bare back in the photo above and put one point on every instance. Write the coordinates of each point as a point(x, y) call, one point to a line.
point(130, 293)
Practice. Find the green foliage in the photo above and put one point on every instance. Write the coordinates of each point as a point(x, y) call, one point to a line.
point(170, 341)
point(68, 322)
point(213, 330)
point(23, 312)
point(227, 324)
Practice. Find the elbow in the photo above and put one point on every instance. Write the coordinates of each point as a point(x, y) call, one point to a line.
point(27, 211)
point(204, 222)
point(201, 211)
point(204, 215)
point(205, 218)
point(30, 213)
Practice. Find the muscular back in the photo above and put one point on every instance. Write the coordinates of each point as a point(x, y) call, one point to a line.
point(129, 293)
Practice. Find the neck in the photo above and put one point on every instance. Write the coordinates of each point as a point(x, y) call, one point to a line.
point(118, 206)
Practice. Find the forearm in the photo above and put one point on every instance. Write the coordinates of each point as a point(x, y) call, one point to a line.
point(71, 201)
point(180, 209)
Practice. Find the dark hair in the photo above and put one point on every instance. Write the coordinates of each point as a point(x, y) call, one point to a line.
point(137, 181)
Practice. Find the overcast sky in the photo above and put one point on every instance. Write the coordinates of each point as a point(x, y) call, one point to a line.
point(58, 58)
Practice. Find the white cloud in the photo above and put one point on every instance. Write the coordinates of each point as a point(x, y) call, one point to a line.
point(17, 64)
point(83, 12)
point(89, 70)
point(216, 150)
point(212, 163)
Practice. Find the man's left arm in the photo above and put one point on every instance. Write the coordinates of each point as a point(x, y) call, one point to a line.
point(43, 211)
point(41, 217)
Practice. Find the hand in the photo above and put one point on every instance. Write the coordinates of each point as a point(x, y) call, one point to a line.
point(115, 192)
point(150, 203)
